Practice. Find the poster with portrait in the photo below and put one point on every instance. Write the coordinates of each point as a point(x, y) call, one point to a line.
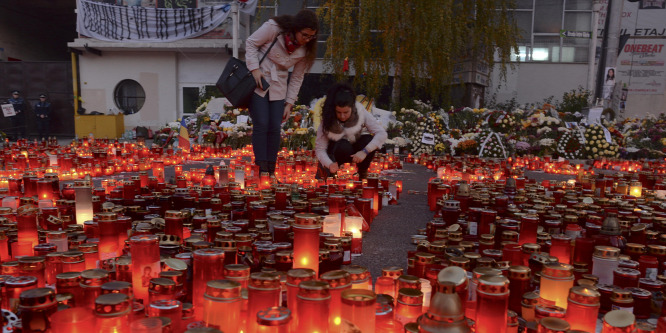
point(609, 82)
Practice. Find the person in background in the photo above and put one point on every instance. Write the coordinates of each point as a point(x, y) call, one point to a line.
point(18, 121)
point(295, 46)
point(347, 133)
point(43, 117)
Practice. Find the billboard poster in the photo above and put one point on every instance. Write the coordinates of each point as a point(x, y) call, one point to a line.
point(642, 66)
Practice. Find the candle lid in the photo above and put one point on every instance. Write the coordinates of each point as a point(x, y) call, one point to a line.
point(264, 280)
point(519, 272)
point(68, 279)
point(107, 216)
point(358, 272)
point(584, 295)
point(619, 318)
point(20, 281)
point(480, 271)
point(314, 290)
point(493, 284)
point(453, 274)
point(38, 297)
point(627, 272)
point(337, 279)
point(639, 292)
point(72, 256)
point(621, 295)
point(410, 296)
point(361, 297)
point(543, 310)
point(392, 272)
point(654, 249)
point(553, 325)
point(112, 304)
point(307, 220)
point(297, 275)
point(274, 316)
point(606, 252)
point(162, 285)
point(122, 287)
point(236, 271)
point(424, 258)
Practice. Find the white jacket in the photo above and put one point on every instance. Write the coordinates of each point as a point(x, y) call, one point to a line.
point(366, 123)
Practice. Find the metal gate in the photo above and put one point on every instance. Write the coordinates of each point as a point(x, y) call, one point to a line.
point(53, 78)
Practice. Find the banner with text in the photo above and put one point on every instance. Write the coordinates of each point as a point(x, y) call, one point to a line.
point(145, 24)
point(642, 65)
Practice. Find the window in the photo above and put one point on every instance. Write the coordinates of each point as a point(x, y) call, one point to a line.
point(194, 96)
point(265, 11)
point(540, 23)
point(324, 27)
point(129, 96)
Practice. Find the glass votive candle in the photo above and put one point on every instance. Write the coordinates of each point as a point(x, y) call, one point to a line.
point(619, 321)
point(385, 285)
point(13, 288)
point(36, 307)
point(556, 280)
point(223, 305)
point(74, 320)
point(583, 308)
point(604, 261)
point(273, 320)
point(553, 325)
point(112, 312)
point(313, 302)
point(358, 308)
point(294, 278)
point(492, 304)
point(168, 308)
point(626, 277)
point(409, 305)
point(146, 325)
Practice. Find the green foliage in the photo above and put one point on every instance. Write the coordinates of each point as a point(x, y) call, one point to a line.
point(574, 101)
point(418, 41)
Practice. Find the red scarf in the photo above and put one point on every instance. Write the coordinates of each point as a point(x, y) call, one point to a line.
point(289, 44)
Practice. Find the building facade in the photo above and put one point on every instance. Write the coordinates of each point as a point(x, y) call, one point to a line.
point(156, 82)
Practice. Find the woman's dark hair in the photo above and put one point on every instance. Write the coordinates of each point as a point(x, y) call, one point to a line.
point(302, 20)
point(608, 74)
point(340, 94)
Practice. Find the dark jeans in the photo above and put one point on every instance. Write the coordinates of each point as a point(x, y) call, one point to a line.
point(341, 151)
point(266, 120)
point(18, 126)
point(43, 127)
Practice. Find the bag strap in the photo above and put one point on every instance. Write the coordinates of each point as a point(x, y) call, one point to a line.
point(269, 49)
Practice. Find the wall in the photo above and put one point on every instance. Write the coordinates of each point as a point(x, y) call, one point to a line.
point(33, 35)
point(155, 71)
point(533, 82)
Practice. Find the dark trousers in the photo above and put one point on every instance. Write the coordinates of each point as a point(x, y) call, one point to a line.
point(266, 120)
point(18, 126)
point(43, 127)
point(341, 151)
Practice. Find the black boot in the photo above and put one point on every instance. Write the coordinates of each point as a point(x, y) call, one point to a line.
point(263, 166)
point(270, 165)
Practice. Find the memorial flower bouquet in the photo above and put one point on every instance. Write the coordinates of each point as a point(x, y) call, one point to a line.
point(597, 143)
point(571, 144)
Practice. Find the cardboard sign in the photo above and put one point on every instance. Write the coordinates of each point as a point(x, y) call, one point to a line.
point(8, 110)
point(428, 139)
point(242, 119)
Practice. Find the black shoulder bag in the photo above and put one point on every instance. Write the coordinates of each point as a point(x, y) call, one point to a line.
point(237, 83)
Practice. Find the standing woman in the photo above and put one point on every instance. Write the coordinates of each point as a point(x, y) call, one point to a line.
point(295, 46)
point(347, 133)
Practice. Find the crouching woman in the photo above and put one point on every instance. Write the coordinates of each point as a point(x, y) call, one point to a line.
point(347, 133)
